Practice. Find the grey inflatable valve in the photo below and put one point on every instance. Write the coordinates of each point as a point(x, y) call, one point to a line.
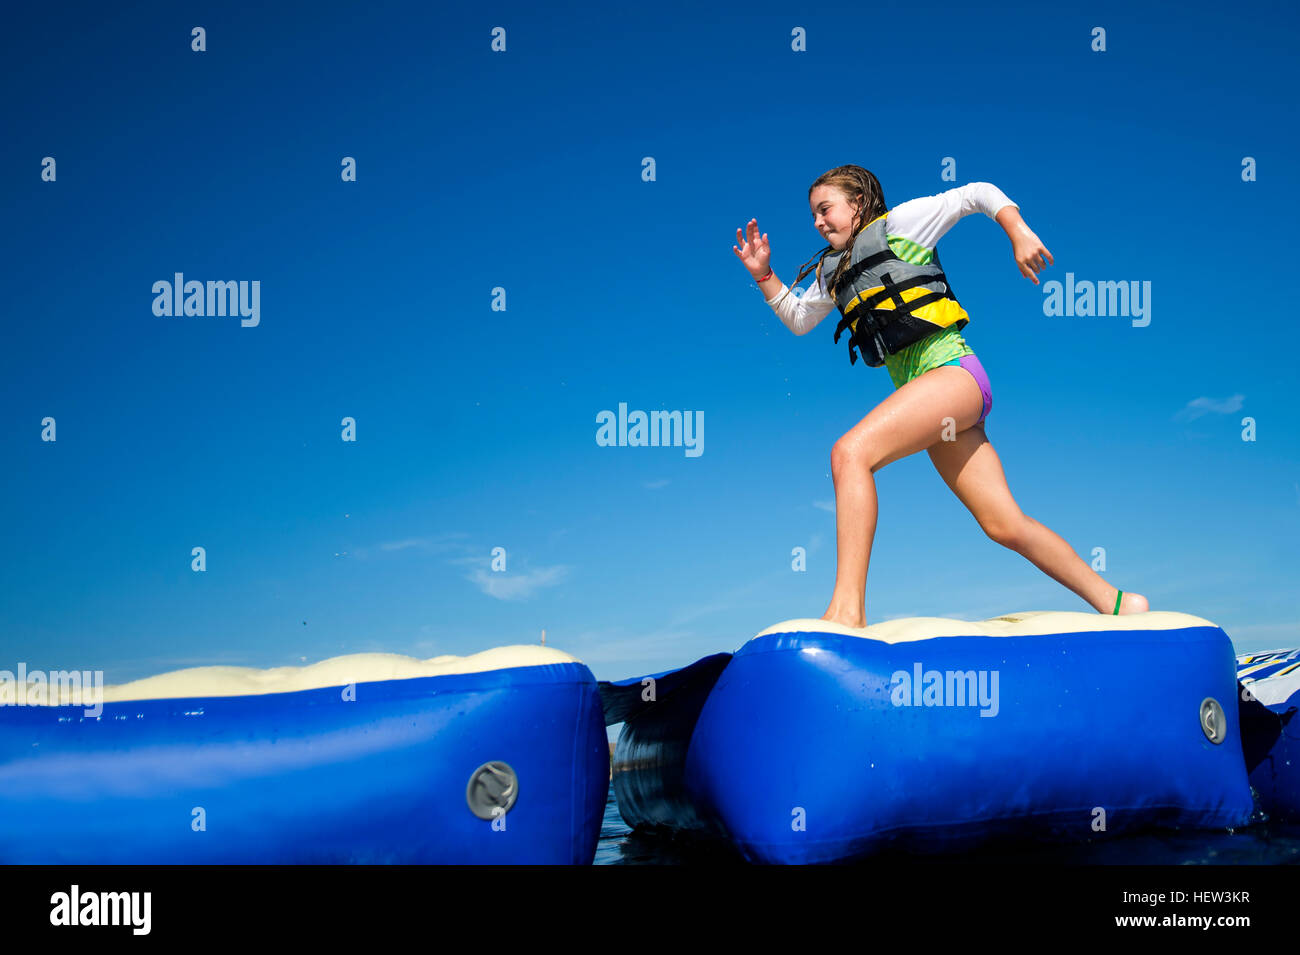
point(492, 790)
point(1213, 723)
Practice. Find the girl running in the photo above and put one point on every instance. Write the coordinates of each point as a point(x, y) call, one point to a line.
point(882, 271)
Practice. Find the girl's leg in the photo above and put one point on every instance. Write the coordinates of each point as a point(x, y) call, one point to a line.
point(909, 420)
point(970, 466)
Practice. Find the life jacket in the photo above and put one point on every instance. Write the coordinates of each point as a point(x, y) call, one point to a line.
point(887, 303)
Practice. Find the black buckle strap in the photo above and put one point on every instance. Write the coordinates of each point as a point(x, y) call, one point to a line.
point(909, 307)
point(892, 289)
point(892, 292)
point(844, 323)
point(869, 262)
point(854, 339)
point(870, 340)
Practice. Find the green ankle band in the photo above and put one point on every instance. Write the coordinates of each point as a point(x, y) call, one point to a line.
point(1118, 597)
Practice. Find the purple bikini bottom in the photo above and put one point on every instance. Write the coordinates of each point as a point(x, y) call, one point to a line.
point(972, 364)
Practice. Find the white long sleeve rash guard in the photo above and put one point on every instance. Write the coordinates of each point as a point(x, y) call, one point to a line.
point(923, 220)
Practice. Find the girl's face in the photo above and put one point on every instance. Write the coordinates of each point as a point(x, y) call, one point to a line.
point(832, 215)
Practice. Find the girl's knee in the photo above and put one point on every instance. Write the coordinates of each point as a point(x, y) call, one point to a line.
point(1009, 532)
point(846, 454)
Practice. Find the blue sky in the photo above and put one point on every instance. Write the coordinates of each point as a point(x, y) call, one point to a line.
point(476, 428)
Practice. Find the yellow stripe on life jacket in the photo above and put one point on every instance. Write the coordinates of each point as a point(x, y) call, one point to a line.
point(941, 314)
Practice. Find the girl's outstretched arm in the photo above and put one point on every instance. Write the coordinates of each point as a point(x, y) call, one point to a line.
point(799, 313)
point(1025, 246)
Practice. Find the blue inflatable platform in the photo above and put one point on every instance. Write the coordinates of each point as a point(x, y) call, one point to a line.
point(816, 743)
point(1270, 731)
point(499, 757)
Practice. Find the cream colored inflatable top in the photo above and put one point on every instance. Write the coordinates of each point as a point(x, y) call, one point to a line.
point(335, 671)
point(1025, 624)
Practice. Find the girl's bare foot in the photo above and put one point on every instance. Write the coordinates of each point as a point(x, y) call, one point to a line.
point(1129, 603)
point(846, 619)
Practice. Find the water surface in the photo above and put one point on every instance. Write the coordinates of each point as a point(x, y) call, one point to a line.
point(1263, 843)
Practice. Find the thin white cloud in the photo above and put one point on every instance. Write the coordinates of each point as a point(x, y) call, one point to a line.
point(736, 600)
point(1203, 406)
point(515, 586)
point(825, 505)
point(621, 650)
point(437, 544)
point(655, 485)
point(673, 642)
point(440, 542)
point(403, 545)
point(503, 585)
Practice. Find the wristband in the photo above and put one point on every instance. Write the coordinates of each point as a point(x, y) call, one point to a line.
point(765, 277)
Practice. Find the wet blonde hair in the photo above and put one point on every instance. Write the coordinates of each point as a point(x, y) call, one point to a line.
point(863, 192)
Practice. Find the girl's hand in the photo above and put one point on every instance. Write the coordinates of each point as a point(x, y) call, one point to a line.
point(755, 253)
point(1026, 249)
